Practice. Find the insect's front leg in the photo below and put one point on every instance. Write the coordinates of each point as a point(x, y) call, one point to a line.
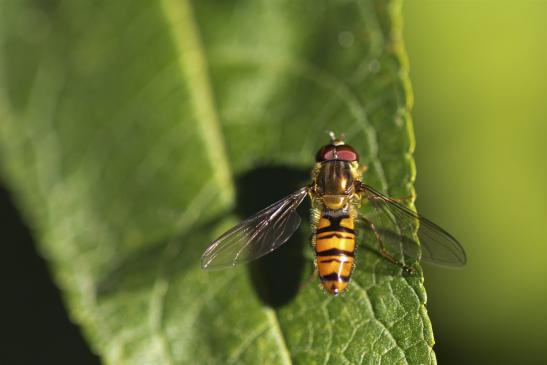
point(383, 251)
point(404, 199)
point(360, 189)
point(362, 169)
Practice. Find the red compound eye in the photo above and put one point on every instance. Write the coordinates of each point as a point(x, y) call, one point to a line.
point(332, 152)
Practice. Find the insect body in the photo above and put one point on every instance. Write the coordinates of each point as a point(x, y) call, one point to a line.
point(334, 200)
point(335, 249)
point(337, 195)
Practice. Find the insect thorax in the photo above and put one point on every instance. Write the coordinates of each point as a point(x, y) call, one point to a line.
point(333, 184)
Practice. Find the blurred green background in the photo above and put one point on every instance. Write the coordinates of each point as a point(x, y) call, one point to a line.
point(479, 74)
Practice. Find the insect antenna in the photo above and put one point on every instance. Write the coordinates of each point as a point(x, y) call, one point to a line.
point(336, 141)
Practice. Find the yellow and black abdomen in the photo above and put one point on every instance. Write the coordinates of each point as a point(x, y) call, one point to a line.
point(335, 250)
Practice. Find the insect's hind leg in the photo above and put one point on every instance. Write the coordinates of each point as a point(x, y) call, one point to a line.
point(312, 277)
point(385, 253)
point(315, 272)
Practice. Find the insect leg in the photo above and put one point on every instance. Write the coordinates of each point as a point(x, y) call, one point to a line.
point(385, 253)
point(362, 169)
point(403, 199)
point(312, 277)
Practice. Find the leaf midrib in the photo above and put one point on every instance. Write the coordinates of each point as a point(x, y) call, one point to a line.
point(193, 64)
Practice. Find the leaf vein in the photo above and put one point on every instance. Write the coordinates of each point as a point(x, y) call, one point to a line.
point(387, 332)
point(194, 65)
point(280, 338)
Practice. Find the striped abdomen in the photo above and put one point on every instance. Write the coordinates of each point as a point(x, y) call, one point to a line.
point(335, 250)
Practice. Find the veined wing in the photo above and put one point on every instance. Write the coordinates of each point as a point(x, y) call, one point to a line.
point(256, 236)
point(399, 226)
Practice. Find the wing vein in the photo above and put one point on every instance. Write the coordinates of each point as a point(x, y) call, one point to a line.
point(257, 235)
point(414, 236)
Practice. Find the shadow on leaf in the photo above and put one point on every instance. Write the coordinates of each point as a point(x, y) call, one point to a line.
point(277, 276)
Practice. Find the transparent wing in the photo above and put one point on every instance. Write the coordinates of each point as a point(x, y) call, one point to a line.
point(399, 226)
point(256, 236)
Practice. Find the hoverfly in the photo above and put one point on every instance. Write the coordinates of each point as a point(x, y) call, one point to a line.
point(336, 194)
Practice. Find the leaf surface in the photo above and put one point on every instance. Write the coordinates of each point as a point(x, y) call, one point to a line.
point(135, 132)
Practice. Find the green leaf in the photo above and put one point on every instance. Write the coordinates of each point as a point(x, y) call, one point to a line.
point(134, 132)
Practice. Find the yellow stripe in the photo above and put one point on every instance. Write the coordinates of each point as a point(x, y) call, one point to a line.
point(343, 269)
point(323, 223)
point(346, 244)
point(347, 222)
